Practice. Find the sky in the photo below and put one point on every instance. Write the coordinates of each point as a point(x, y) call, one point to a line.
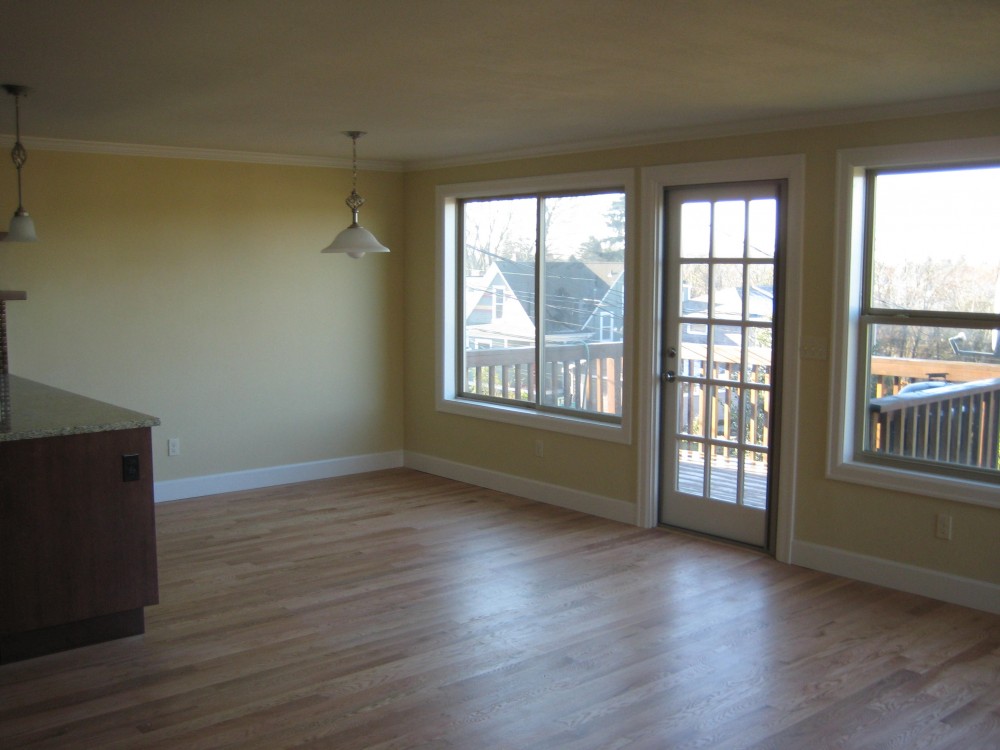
point(939, 214)
point(572, 223)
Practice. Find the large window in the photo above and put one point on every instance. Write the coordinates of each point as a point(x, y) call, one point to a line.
point(535, 319)
point(924, 331)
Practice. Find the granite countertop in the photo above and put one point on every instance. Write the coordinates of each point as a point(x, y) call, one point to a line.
point(37, 411)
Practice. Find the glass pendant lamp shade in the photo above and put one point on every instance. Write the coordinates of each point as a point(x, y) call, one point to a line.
point(22, 228)
point(355, 240)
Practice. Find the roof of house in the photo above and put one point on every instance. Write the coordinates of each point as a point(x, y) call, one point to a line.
point(573, 289)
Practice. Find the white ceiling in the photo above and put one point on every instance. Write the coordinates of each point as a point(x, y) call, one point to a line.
point(434, 81)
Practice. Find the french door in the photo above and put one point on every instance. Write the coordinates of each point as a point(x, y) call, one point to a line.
point(720, 370)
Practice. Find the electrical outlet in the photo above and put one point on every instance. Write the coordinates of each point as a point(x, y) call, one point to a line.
point(943, 527)
point(539, 449)
point(174, 447)
point(130, 467)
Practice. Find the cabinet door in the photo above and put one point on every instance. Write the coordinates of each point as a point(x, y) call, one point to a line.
point(76, 540)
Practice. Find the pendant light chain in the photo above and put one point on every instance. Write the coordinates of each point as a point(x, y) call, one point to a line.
point(22, 227)
point(18, 154)
point(354, 162)
point(354, 201)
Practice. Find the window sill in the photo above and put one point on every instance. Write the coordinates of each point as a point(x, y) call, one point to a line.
point(580, 427)
point(917, 483)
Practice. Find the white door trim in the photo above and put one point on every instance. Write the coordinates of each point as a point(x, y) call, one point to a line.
point(650, 297)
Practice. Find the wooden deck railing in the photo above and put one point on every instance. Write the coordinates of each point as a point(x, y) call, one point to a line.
point(890, 374)
point(955, 423)
point(574, 376)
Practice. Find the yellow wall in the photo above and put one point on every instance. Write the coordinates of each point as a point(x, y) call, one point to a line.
point(849, 517)
point(195, 291)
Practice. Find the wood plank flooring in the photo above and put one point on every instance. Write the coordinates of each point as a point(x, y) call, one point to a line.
point(401, 610)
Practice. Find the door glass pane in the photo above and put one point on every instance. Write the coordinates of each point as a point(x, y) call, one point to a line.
point(727, 291)
point(762, 232)
point(692, 353)
point(758, 354)
point(691, 467)
point(756, 413)
point(696, 229)
point(694, 290)
point(728, 229)
point(690, 406)
point(760, 278)
point(754, 479)
point(725, 412)
point(726, 350)
point(723, 477)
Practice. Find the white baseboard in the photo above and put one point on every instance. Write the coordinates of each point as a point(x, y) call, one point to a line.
point(585, 502)
point(969, 592)
point(214, 484)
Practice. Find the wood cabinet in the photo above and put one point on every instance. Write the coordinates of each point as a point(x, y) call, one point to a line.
point(77, 540)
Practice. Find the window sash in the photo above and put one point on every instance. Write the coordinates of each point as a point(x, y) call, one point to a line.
point(928, 421)
point(538, 402)
point(868, 305)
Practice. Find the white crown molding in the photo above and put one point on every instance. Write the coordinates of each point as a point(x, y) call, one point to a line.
point(207, 154)
point(669, 135)
point(825, 118)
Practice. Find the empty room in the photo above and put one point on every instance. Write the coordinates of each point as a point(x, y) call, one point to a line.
point(500, 374)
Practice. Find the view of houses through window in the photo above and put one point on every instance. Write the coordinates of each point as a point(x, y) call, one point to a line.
point(930, 318)
point(543, 304)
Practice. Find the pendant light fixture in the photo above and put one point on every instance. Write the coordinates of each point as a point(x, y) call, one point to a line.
point(22, 227)
point(355, 240)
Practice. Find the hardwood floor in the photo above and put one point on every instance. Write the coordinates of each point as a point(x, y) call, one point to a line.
point(401, 610)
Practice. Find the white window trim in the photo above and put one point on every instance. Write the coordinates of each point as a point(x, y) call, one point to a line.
point(841, 462)
point(448, 399)
point(654, 180)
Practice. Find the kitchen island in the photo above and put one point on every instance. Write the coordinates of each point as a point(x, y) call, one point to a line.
point(77, 531)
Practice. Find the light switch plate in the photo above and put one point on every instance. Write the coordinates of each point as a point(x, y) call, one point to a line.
point(813, 347)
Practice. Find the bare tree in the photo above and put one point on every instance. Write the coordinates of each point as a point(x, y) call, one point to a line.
point(493, 231)
point(939, 284)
